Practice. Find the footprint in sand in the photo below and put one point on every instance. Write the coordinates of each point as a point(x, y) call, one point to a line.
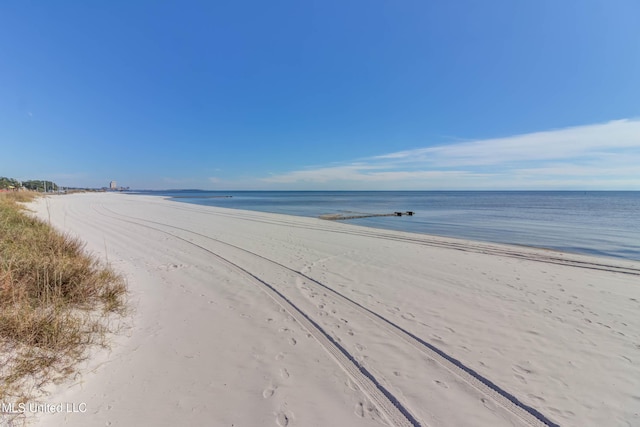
point(353, 386)
point(293, 341)
point(283, 419)
point(280, 356)
point(488, 404)
point(359, 409)
point(539, 399)
point(284, 373)
point(520, 378)
point(437, 339)
point(521, 370)
point(268, 392)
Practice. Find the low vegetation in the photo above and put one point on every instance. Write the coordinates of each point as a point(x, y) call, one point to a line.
point(33, 185)
point(55, 302)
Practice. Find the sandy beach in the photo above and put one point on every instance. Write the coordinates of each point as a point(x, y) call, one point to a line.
point(253, 319)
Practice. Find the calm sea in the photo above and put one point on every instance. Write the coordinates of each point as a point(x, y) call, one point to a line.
point(603, 223)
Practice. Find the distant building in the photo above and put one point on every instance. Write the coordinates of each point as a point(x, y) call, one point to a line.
point(113, 185)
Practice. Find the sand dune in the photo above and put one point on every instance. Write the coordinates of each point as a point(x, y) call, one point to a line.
point(250, 319)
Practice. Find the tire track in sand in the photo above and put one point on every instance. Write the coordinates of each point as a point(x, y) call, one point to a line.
point(388, 405)
point(486, 387)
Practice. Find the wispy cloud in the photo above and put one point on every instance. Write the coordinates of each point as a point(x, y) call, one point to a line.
point(600, 156)
point(569, 143)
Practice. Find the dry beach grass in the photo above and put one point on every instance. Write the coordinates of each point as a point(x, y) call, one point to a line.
point(55, 302)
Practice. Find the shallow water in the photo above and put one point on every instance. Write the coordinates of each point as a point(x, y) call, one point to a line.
point(603, 223)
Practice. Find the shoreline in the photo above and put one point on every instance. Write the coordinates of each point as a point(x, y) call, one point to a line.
point(614, 248)
point(459, 240)
point(208, 339)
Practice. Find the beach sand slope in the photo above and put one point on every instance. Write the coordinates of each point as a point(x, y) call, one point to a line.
point(245, 318)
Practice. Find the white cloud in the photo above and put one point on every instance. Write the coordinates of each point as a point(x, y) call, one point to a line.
point(571, 143)
point(593, 156)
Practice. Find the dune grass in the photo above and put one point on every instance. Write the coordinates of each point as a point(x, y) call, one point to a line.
point(55, 302)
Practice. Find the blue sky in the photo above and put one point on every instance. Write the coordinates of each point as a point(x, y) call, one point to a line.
point(322, 94)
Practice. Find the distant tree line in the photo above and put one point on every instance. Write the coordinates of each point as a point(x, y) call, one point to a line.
point(40, 185)
point(36, 185)
point(6, 183)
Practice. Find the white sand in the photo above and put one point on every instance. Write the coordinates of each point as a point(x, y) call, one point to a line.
point(212, 342)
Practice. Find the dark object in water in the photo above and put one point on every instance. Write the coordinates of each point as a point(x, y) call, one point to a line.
point(339, 217)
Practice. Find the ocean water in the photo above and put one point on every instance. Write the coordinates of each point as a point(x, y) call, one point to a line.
point(604, 223)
